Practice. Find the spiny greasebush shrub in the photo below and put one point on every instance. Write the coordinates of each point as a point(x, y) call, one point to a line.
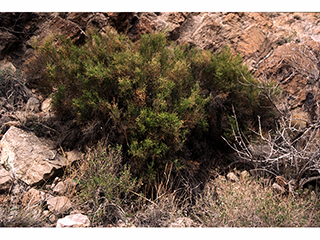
point(150, 91)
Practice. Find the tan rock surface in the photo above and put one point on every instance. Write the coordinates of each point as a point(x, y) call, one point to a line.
point(5, 179)
point(59, 204)
point(31, 159)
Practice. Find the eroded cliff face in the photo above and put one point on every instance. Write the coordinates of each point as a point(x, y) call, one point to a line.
point(267, 41)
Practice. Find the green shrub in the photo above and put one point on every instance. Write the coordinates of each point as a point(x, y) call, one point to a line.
point(147, 89)
point(231, 86)
point(150, 91)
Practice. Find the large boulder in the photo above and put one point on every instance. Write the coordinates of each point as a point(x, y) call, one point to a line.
point(29, 158)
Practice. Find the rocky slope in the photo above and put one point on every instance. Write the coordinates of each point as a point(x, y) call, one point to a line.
point(256, 36)
point(281, 46)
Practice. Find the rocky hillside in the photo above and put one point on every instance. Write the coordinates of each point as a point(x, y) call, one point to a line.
point(258, 37)
point(284, 47)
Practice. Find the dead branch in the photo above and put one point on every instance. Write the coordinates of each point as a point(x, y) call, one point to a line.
point(291, 150)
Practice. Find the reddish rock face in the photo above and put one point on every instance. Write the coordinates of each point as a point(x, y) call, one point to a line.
point(253, 35)
point(295, 66)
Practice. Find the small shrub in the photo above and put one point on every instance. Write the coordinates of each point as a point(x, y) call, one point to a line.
point(102, 169)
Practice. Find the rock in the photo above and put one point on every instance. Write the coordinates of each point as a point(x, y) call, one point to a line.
point(278, 189)
point(5, 66)
point(74, 155)
point(183, 222)
point(5, 179)
point(59, 205)
point(30, 159)
point(232, 177)
point(33, 105)
point(59, 189)
point(141, 26)
point(221, 178)
point(170, 21)
point(121, 21)
point(59, 25)
point(293, 66)
point(244, 176)
point(132, 24)
point(96, 20)
point(46, 105)
point(32, 197)
point(64, 187)
point(76, 220)
point(80, 18)
point(253, 44)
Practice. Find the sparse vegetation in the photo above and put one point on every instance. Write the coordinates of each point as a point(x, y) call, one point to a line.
point(253, 203)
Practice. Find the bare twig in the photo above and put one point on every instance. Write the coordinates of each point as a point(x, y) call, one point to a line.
point(292, 149)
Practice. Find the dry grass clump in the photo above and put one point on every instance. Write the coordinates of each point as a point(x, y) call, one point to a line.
point(15, 213)
point(169, 209)
point(223, 203)
point(13, 92)
point(253, 203)
point(105, 185)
